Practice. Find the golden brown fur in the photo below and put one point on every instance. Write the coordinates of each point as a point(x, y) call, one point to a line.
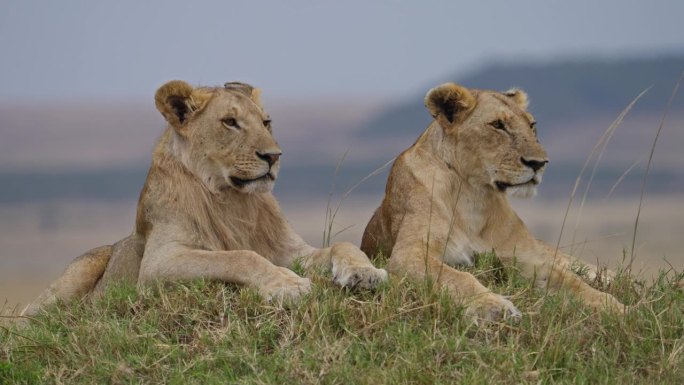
point(446, 200)
point(206, 210)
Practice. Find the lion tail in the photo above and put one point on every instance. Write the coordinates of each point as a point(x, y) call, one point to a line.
point(79, 279)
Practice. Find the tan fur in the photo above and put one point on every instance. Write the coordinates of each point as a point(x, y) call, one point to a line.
point(207, 211)
point(446, 200)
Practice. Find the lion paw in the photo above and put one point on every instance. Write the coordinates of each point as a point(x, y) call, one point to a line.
point(358, 276)
point(600, 275)
point(607, 302)
point(286, 286)
point(492, 307)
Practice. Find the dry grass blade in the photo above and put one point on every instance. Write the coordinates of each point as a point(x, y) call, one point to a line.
point(606, 135)
point(648, 166)
point(427, 236)
point(602, 144)
point(331, 214)
point(452, 222)
point(619, 180)
point(328, 212)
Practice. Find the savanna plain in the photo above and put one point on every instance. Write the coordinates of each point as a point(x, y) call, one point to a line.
point(404, 332)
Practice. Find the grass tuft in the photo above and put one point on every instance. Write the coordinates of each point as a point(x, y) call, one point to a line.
point(404, 332)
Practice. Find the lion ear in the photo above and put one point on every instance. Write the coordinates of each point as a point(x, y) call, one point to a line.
point(449, 103)
point(246, 89)
point(178, 101)
point(519, 97)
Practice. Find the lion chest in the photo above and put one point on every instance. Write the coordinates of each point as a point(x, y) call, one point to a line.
point(460, 250)
point(464, 240)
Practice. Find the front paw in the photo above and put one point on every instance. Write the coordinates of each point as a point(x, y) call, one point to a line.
point(358, 276)
point(285, 286)
point(490, 307)
point(593, 274)
point(607, 302)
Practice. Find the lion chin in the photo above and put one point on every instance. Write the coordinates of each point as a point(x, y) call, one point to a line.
point(261, 184)
point(525, 191)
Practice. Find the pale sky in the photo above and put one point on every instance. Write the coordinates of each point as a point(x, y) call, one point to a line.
point(127, 48)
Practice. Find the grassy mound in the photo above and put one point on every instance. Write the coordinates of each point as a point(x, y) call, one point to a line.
point(404, 332)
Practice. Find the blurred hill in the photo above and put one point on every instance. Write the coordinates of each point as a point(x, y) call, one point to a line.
point(560, 91)
point(101, 150)
point(573, 102)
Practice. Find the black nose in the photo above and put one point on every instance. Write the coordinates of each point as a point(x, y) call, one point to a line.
point(269, 157)
point(534, 164)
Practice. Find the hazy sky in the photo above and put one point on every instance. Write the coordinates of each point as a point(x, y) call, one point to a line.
point(91, 49)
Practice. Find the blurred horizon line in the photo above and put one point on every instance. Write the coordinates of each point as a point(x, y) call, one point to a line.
point(457, 73)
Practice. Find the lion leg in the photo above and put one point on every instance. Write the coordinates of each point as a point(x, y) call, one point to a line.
point(350, 266)
point(463, 287)
point(79, 279)
point(412, 257)
point(589, 271)
point(555, 273)
point(124, 265)
point(374, 236)
point(242, 267)
point(561, 276)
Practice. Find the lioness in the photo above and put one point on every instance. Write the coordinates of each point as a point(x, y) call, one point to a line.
point(206, 209)
point(446, 200)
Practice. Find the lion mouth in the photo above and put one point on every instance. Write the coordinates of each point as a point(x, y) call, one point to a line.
point(502, 186)
point(240, 182)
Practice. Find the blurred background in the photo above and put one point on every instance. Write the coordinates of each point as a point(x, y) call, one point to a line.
point(344, 83)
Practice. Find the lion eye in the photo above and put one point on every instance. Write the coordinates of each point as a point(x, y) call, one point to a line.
point(498, 124)
point(230, 123)
point(533, 126)
point(267, 123)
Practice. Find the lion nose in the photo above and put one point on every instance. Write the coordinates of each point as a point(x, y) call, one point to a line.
point(269, 157)
point(533, 163)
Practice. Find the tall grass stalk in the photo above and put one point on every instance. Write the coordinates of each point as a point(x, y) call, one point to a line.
point(619, 180)
point(606, 135)
point(648, 167)
point(602, 144)
point(330, 214)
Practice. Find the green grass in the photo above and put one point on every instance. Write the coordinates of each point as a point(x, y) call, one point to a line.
point(404, 332)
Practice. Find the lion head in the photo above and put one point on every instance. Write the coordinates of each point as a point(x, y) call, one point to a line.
point(491, 139)
point(222, 135)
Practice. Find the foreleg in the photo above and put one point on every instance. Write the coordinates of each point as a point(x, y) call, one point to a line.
point(241, 267)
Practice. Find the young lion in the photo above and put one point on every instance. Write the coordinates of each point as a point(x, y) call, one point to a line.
point(206, 210)
point(446, 200)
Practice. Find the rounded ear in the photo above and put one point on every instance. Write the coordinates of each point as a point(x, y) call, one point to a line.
point(246, 89)
point(449, 103)
point(519, 96)
point(178, 101)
